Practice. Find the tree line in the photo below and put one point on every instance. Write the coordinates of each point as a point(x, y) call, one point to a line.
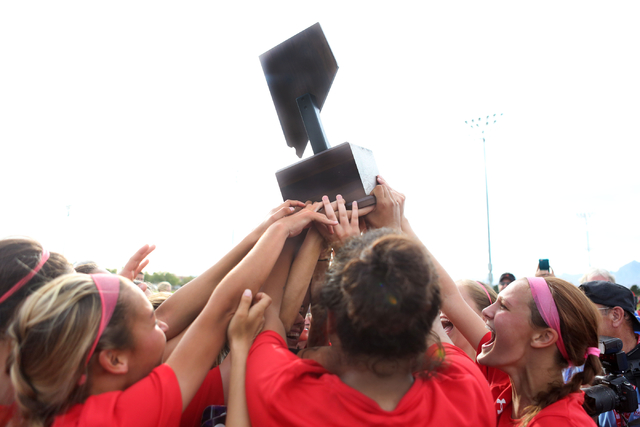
point(162, 276)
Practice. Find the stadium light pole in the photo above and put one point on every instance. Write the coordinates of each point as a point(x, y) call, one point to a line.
point(481, 124)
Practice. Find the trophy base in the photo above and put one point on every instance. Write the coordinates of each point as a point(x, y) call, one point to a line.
point(347, 169)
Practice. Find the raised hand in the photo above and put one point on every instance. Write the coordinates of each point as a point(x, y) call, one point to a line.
point(347, 227)
point(389, 210)
point(300, 220)
point(247, 321)
point(279, 212)
point(137, 262)
point(544, 273)
point(245, 325)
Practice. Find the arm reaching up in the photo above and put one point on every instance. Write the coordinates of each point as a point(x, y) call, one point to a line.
point(187, 302)
point(243, 328)
point(137, 262)
point(196, 352)
point(390, 212)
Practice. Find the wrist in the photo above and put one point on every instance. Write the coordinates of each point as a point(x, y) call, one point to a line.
point(239, 349)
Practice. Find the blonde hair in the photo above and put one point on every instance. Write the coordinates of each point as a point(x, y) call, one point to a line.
point(52, 334)
point(158, 298)
point(164, 287)
point(478, 294)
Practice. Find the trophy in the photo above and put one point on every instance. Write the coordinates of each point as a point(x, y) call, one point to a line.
point(299, 73)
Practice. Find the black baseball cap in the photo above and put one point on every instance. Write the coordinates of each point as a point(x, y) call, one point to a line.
point(509, 276)
point(612, 295)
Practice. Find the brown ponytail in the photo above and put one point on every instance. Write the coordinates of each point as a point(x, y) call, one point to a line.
point(579, 320)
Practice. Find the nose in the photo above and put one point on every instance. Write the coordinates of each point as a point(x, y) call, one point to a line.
point(490, 311)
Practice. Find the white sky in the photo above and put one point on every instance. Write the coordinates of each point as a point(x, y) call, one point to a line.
point(153, 121)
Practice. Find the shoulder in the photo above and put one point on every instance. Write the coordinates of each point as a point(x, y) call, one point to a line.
point(566, 411)
point(158, 390)
point(459, 379)
point(271, 366)
point(456, 363)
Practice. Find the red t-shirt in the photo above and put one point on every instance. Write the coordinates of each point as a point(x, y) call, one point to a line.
point(498, 380)
point(209, 393)
point(283, 390)
point(567, 411)
point(6, 414)
point(155, 400)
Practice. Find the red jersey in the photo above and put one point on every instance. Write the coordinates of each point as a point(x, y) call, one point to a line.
point(7, 413)
point(283, 390)
point(567, 411)
point(498, 380)
point(153, 401)
point(210, 393)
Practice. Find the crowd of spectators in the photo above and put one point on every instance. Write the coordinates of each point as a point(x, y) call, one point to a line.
point(325, 314)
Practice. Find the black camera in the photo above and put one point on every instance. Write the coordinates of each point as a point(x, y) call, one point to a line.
point(616, 390)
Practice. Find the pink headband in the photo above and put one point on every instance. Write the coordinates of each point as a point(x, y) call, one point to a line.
point(109, 288)
point(15, 288)
point(547, 308)
point(485, 291)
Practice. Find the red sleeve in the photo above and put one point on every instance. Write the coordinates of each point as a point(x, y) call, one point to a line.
point(498, 380)
point(210, 393)
point(568, 411)
point(6, 414)
point(463, 376)
point(153, 401)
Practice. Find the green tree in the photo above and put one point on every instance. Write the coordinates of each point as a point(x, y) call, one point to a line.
point(185, 280)
point(635, 289)
point(162, 276)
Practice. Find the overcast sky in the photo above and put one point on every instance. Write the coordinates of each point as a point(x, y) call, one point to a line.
point(130, 122)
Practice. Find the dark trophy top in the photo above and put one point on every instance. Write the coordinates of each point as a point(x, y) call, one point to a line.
point(303, 64)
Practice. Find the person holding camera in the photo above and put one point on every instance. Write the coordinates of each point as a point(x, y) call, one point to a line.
point(616, 305)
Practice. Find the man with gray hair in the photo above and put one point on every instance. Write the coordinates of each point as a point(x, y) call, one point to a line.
point(617, 306)
point(597, 274)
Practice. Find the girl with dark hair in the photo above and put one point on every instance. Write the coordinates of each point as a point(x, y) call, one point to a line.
point(382, 300)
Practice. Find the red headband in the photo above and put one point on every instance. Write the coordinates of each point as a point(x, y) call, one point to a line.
point(547, 308)
point(109, 288)
point(15, 288)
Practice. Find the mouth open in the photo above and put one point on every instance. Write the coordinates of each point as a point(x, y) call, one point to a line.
point(293, 335)
point(489, 344)
point(446, 325)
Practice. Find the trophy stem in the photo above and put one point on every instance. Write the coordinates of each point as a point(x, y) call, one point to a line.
point(311, 118)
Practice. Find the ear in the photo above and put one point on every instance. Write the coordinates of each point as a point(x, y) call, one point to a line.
point(114, 361)
point(617, 316)
point(544, 338)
